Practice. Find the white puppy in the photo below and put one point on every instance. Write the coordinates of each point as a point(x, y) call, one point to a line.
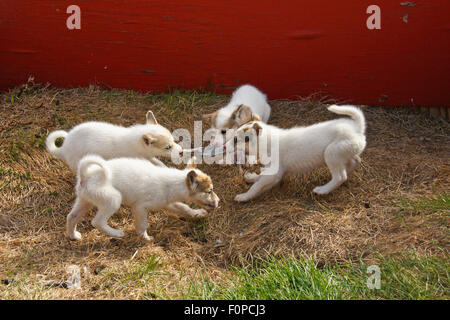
point(335, 143)
point(112, 141)
point(139, 184)
point(245, 101)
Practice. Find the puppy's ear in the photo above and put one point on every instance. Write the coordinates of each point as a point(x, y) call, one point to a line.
point(255, 117)
point(148, 139)
point(151, 118)
point(191, 163)
point(211, 116)
point(191, 180)
point(257, 127)
point(242, 114)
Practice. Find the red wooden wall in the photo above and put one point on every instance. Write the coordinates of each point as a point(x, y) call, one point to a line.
point(288, 48)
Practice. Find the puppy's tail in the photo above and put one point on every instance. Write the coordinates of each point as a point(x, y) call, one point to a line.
point(355, 113)
point(90, 160)
point(50, 142)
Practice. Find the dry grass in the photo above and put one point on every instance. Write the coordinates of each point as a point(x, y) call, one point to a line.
point(407, 157)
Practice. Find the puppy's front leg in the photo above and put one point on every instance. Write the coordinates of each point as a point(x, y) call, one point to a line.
point(264, 183)
point(185, 210)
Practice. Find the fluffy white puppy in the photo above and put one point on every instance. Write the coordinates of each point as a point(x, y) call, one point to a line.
point(139, 184)
point(112, 141)
point(245, 101)
point(335, 143)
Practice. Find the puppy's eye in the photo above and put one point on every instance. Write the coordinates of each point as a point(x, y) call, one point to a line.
point(247, 139)
point(168, 147)
point(223, 131)
point(209, 192)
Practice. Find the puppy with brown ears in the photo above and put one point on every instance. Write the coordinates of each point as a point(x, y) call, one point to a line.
point(246, 103)
point(336, 144)
point(110, 141)
point(139, 184)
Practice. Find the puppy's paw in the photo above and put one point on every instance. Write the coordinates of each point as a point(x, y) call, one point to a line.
point(147, 238)
point(243, 197)
point(117, 234)
point(321, 190)
point(199, 213)
point(76, 236)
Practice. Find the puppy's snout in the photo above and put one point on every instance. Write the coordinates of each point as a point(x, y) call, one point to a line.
point(214, 205)
point(181, 152)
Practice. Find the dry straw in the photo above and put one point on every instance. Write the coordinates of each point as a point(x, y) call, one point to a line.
point(407, 157)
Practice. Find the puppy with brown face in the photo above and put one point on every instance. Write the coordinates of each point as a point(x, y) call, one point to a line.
point(336, 144)
point(246, 103)
point(200, 187)
point(142, 186)
point(110, 141)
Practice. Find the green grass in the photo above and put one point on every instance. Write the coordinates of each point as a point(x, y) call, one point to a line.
point(12, 180)
point(438, 203)
point(402, 277)
point(179, 101)
point(143, 276)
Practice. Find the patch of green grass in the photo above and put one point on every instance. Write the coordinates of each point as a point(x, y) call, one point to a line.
point(13, 180)
point(438, 203)
point(147, 267)
point(141, 276)
point(181, 101)
point(14, 151)
point(402, 277)
point(22, 141)
point(61, 121)
point(38, 141)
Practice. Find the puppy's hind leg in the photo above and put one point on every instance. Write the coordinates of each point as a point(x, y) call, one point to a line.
point(141, 221)
point(336, 160)
point(76, 214)
point(109, 205)
point(352, 164)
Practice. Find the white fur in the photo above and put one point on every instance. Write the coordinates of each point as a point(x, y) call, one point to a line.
point(112, 141)
point(336, 144)
point(107, 140)
point(247, 95)
point(134, 182)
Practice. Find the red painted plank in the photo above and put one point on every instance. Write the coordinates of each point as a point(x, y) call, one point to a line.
point(287, 48)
